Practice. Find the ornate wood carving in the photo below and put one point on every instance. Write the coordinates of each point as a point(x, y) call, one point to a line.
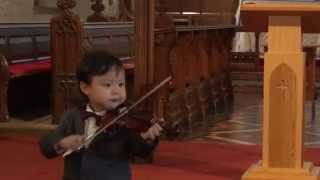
point(66, 38)
point(98, 8)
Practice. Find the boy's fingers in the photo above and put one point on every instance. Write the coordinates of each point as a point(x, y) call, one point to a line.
point(152, 135)
point(155, 131)
point(153, 120)
point(80, 139)
point(159, 127)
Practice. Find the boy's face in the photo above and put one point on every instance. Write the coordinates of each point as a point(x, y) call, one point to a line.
point(107, 91)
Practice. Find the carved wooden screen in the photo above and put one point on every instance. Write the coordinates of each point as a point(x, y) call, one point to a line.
point(66, 32)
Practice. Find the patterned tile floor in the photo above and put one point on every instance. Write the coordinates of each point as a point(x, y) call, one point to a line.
point(244, 124)
point(242, 127)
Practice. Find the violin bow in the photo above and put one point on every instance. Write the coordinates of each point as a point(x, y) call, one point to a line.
point(123, 113)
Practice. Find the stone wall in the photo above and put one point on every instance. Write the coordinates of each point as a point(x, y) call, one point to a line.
point(12, 9)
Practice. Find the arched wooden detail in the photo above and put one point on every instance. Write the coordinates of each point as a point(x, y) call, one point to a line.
point(66, 49)
point(201, 48)
point(214, 63)
point(98, 8)
point(283, 88)
point(178, 61)
point(4, 84)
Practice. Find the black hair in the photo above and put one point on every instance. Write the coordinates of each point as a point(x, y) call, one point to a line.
point(95, 63)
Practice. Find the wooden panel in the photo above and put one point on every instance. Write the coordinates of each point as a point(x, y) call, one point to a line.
point(214, 60)
point(310, 73)
point(282, 127)
point(192, 60)
point(201, 49)
point(178, 67)
point(163, 44)
point(226, 6)
point(254, 17)
point(208, 19)
point(283, 110)
point(173, 5)
point(205, 6)
point(292, 26)
point(144, 18)
point(191, 6)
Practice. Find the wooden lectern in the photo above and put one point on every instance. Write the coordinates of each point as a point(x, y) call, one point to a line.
point(284, 87)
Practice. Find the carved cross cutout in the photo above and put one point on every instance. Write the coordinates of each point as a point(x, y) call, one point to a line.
point(284, 89)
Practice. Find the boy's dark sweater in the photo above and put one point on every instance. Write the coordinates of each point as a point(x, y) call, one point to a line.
point(119, 145)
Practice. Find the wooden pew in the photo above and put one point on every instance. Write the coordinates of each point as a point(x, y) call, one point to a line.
point(185, 61)
point(26, 50)
point(200, 73)
point(187, 100)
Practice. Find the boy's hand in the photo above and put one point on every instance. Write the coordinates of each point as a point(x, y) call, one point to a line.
point(69, 143)
point(152, 133)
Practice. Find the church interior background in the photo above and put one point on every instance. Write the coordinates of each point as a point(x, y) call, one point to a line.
point(228, 144)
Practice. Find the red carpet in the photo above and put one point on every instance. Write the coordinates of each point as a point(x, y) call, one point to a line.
point(20, 159)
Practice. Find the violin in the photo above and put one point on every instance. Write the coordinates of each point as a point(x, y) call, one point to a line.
point(116, 118)
point(130, 121)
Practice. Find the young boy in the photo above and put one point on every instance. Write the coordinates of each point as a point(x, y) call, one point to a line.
point(102, 82)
